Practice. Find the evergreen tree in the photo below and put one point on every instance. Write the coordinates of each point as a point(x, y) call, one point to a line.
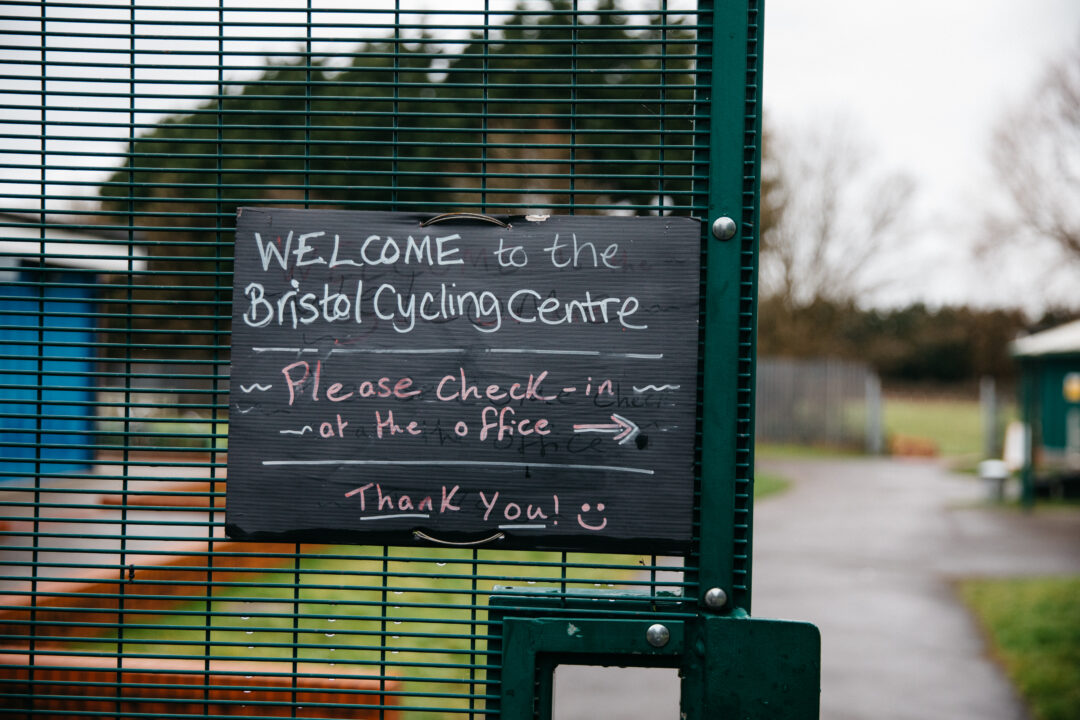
point(540, 112)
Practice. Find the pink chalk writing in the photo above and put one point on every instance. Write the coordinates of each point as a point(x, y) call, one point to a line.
point(457, 387)
point(298, 374)
point(388, 501)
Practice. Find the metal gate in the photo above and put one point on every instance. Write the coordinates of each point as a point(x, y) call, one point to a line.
point(130, 134)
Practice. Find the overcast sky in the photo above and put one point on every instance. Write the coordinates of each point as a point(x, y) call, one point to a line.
point(925, 81)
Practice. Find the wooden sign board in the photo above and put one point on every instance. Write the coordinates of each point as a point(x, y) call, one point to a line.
point(462, 381)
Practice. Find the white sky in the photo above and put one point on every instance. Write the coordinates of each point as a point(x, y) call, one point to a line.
point(924, 81)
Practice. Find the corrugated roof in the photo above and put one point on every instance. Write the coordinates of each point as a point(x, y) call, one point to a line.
point(1063, 339)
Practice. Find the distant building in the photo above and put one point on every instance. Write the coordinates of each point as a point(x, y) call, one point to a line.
point(49, 288)
point(1050, 405)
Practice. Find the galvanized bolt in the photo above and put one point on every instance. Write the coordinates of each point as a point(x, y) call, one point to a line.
point(658, 635)
point(715, 598)
point(723, 228)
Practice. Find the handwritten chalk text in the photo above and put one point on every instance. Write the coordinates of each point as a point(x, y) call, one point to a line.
point(483, 309)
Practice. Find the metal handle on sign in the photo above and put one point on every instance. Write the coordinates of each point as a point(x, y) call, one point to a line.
point(468, 543)
point(464, 216)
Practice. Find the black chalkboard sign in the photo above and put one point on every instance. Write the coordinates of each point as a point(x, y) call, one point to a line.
point(394, 379)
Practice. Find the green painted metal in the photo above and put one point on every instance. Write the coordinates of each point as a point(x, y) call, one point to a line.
point(534, 631)
point(730, 302)
point(539, 644)
point(130, 132)
point(1051, 406)
point(1045, 411)
point(731, 666)
point(751, 669)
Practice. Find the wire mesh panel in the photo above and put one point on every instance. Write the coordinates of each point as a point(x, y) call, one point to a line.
point(816, 402)
point(129, 136)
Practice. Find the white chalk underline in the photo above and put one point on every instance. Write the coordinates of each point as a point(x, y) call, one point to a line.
point(480, 463)
point(458, 351)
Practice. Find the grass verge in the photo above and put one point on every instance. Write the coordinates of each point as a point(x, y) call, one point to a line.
point(767, 484)
point(1034, 627)
point(418, 616)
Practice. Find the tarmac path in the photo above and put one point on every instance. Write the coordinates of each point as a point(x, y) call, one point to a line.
point(869, 550)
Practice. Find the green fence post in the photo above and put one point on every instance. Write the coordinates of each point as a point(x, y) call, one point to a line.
point(730, 306)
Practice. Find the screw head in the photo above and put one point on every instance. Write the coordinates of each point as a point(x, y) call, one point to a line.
point(723, 228)
point(658, 635)
point(715, 598)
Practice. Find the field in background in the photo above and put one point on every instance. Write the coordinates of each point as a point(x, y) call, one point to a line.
point(952, 425)
point(1033, 625)
point(926, 426)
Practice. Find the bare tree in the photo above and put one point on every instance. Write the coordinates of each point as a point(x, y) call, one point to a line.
point(1036, 157)
point(831, 222)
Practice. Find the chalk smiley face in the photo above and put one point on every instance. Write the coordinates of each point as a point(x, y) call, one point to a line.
point(585, 508)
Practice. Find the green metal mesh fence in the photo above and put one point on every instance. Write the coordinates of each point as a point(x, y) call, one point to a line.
point(129, 135)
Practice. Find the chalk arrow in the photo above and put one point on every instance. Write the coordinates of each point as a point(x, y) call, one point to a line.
point(623, 429)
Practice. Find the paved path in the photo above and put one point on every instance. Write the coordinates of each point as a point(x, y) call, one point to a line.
point(868, 550)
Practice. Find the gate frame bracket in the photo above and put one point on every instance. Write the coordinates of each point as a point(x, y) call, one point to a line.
point(729, 665)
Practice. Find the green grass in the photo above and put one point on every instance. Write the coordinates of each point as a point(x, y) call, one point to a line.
point(955, 426)
point(425, 627)
point(1034, 626)
point(766, 484)
point(165, 434)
